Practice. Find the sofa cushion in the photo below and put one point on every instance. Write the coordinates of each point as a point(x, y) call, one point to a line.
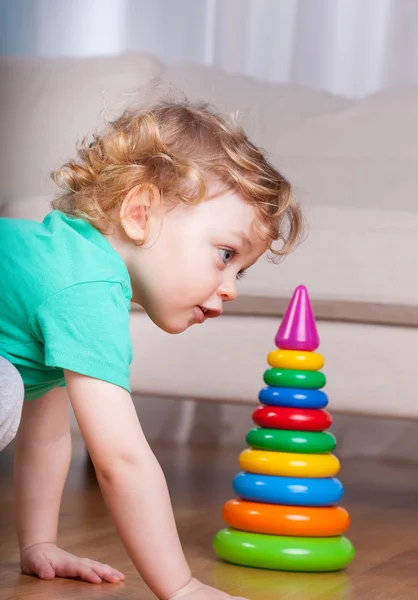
point(47, 104)
point(33, 207)
point(336, 151)
point(353, 165)
point(353, 258)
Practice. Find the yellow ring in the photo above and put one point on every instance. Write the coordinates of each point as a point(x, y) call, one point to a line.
point(289, 464)
point(295, 359)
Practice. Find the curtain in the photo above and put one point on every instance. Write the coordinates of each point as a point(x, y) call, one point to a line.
point(349, 47)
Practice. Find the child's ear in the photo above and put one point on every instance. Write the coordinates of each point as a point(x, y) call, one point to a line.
point(140, 212)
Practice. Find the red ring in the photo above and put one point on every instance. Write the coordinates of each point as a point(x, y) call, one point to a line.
point(299, 419)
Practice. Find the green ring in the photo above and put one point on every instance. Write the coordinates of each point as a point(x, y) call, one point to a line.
point(290, 378)
point(282, 440)
point(283, 553)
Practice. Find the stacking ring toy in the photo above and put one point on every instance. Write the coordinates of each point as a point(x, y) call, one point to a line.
point(295, 359)
point(289, 464)
point(303, 419)
point(295, 379)
point(297, 491)
point(287, 440)
point(276, 519)
point(297, 398)
point(283, 553)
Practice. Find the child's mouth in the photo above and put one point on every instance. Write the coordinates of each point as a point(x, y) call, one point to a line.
point(204, 313)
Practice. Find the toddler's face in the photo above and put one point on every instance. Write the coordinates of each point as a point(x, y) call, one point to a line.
point(191, 268)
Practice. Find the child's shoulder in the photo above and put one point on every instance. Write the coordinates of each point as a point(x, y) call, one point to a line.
point(56, 254)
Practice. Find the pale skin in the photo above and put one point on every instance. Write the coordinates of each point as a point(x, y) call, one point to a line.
point(183, 263)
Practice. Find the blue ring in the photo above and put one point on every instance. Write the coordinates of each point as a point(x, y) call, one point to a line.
point(296, 491)
point(293, 397)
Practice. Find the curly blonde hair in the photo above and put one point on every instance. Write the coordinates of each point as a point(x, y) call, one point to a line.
point(176, 146)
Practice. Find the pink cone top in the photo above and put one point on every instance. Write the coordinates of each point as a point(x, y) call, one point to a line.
point(298, 329)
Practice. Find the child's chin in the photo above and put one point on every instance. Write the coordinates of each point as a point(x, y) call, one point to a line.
point(174, 328)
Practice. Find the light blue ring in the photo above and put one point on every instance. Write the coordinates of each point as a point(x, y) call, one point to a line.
point(293, 397)
point(296, 491)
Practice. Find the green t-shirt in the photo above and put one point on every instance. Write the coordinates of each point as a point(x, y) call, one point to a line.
point(64, 303)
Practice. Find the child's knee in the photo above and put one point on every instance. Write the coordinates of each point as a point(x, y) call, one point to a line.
point(11, 401)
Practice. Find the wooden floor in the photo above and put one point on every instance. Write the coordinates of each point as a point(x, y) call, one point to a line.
point(381, 497)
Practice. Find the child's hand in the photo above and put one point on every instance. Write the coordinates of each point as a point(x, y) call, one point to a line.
point(195, 590)
point(47, 561)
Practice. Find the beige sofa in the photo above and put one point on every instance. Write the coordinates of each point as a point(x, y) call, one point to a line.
point(354, 166)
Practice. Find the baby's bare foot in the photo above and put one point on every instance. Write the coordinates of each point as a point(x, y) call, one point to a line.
point(47, 561)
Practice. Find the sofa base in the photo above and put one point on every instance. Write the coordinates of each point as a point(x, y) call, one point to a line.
point(370, 369)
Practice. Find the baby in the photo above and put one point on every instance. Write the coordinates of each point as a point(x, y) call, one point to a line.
point(167, 208)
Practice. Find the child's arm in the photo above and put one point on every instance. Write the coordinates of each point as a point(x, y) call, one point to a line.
point(41, 461)
point(131, 480)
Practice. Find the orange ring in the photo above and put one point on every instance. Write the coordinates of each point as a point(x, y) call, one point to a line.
point(278, 519)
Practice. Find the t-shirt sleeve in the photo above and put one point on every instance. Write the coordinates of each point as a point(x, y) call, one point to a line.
point(85, 328)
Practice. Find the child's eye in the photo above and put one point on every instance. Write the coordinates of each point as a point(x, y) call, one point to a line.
point(227, 254)
point(241, 274)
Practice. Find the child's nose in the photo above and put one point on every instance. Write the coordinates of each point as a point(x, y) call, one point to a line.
point(228, 291)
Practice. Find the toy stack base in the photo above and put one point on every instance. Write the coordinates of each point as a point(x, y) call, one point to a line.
point(283, 553)
point(285, 516)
